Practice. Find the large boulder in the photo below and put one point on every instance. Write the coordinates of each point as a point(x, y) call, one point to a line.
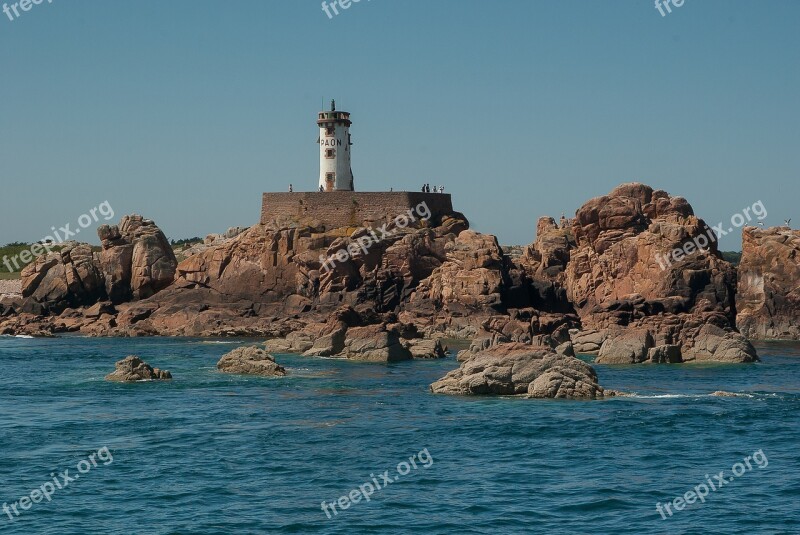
point(426, 348)
point(712, 343)
point(665, 354)
point(132, 369)
point(68, 278)
point(768, 300)
point(632, 347)
point(517, 369)
point(137, 260)
point(589, 341)
point(375, 343)
point(250, 361)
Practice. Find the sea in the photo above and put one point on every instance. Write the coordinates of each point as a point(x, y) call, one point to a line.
point(341, 447)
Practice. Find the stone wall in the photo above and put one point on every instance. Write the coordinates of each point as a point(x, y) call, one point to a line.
point(336, 209)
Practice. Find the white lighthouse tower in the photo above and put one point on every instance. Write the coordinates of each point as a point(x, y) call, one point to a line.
point(335, 173)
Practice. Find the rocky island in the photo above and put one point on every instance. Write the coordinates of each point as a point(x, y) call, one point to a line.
point(324, 282)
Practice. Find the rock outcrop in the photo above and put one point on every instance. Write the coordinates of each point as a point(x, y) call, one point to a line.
point(622, 267)
point(135, 262)
point(425, 348)
point(641, 271)
point(768, 298)
point(269, 275)
point(250, 361)
point(132, 369)
point(375, 343)
point(68, 278)
point(608, 281)
point(631, 347)
point(713, 343)
point(519, 369)
point(471, 279)
point(363, 337)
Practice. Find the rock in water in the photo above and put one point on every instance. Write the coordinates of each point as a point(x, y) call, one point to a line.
point(725, 394)
point(375, 343)
point(630, 348)
point(715, 344)
point(665, 354)
point(250, 361)
point(132, 369)
point(638, 261)
point(517, 369)
point(768, 300)
point(426, 349)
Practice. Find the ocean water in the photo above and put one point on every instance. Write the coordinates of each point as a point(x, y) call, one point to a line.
point(216, 454)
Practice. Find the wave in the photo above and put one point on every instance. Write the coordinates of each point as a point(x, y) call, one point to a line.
point(717, 394)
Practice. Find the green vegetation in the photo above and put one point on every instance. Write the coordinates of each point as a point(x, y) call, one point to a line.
point(186, 241)
point(734, 257)
point(10, 261)
point(10, 252)
point(5, 276)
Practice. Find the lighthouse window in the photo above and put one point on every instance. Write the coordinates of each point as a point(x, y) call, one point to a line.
point(330, 132)
point(330, 153)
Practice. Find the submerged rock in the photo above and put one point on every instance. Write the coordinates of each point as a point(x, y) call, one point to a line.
point(250, 361)
point(725, 394)
point(132, 369)
point(517, 369)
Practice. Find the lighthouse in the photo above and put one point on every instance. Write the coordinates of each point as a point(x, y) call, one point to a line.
point(335, 173)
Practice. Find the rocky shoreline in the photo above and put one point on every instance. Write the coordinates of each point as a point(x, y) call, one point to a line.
point(594, 284)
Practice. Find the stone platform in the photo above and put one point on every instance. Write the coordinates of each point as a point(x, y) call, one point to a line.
point(336, 209)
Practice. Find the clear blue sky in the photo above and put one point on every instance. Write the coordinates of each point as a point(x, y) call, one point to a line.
point(186, 110)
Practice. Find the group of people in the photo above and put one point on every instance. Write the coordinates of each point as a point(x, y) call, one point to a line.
point(426, 188)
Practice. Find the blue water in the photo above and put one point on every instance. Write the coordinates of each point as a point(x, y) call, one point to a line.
point(211, 453)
